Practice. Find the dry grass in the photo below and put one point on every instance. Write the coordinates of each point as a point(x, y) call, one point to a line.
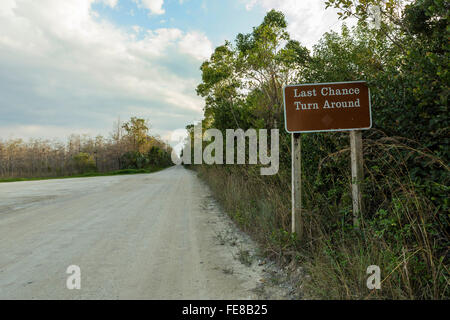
point(402, 231)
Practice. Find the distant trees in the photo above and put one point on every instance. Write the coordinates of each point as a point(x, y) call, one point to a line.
point(130, 146)
point(84, 162)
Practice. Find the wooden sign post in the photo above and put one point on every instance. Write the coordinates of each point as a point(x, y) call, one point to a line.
point(296, 164)
point(324, 107)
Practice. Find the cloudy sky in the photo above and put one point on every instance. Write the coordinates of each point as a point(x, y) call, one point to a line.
point(76, 66)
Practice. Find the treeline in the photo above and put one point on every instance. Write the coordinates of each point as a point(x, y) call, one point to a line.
point(130, 146)
point(404, 227)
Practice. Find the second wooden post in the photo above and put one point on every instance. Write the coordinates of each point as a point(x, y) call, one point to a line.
point(356, 151)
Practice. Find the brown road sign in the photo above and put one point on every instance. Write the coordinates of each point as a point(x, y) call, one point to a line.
point(327, 107)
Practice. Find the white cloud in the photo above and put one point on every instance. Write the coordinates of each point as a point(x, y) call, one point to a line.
point(137, 28)
point(38, 131)
point(197, 45)
point(154, 6)
point(111, 3)
point(307, 20)
point(60, 67)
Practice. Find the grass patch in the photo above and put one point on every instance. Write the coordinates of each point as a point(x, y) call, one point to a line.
point(245, 257)
point(87, 175)
point(404, 234)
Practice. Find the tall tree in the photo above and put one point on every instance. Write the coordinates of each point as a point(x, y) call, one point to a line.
point(137, 130)
point(260, 63)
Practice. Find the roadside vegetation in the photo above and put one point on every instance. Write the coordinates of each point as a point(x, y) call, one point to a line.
point(405, 223)
point(129, 150)
point(89, 174)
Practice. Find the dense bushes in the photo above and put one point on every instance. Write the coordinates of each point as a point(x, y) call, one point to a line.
point(84, 162)
point(156, 156)
point(405, 223)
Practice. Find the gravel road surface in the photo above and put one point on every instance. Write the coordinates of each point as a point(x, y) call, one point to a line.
point(146, 236)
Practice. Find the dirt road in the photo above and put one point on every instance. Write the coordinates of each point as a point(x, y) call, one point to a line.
point(150, 236)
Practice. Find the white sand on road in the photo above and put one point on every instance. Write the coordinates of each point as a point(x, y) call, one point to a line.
point(149, 236)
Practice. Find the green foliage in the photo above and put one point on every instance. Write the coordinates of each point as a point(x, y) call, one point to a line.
point(405, 224)
point(156, 157)
point(148, 151)
point(159, 157)
point(86, 175)
point(133, 160)
point(84, 162)
point(137, 131)
point(261, 62)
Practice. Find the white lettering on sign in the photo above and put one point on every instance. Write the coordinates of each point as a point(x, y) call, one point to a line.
point(305, 106)
point(341, 104)
point(305, 93)
point(326, 91)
